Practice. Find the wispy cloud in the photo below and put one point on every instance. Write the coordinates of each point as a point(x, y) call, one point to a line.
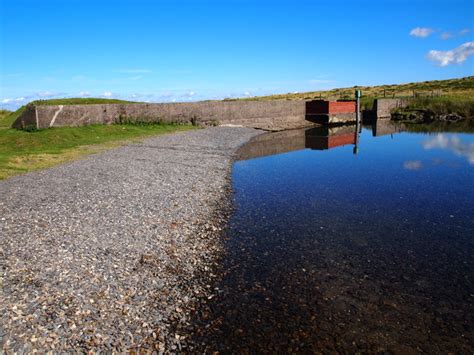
point(13, 75)
point(446, 35)
point(421, 32)
point(320, 81)
point(453, 144)
point(80, 78)
point(136, 77)
point(13, 100)
point(107, 94)
point(134, 71)
point(453, 34)
point(455, 56)
point(84, 94)
point(46, 94)
point(189, 95)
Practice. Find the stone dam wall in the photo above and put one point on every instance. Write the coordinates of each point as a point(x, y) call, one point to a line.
point(384, 107)
point(269, 115)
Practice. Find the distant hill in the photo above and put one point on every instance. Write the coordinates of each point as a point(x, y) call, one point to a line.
point(452, 87)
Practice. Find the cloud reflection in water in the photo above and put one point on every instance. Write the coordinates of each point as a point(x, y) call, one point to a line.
point(453, 144)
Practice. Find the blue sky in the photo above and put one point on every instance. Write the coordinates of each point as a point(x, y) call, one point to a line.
point(192, 50)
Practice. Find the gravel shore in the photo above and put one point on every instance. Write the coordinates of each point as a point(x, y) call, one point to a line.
point(114, 251)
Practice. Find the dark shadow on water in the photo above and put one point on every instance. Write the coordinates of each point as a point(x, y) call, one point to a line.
point(333, 252)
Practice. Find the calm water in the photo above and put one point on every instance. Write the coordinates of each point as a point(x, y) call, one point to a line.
point(334, 251)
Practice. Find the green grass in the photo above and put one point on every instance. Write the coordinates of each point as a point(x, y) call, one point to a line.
point(22, 151)
point(6, 119)
point(461, 105)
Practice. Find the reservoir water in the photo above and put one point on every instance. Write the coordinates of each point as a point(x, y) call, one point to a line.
point(332, 251)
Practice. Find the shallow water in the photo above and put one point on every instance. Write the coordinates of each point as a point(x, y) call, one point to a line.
point(334, 251)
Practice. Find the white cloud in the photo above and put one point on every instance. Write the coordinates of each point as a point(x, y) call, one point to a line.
point(464, 31)
point(107, 94)
point(446, 35)
point(189, 95)
point(421, 32)
point(455, 56)
point(46, 94)
point(247, 93)
point(84, 94)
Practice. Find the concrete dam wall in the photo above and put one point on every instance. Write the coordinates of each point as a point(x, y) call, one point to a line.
point(384, 107)
point(274, 115)
point(269, 115)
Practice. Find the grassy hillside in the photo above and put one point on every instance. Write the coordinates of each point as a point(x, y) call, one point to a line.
point(462, 87)
point(460, 105)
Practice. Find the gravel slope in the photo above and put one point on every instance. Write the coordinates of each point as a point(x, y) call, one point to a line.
point(113, 251)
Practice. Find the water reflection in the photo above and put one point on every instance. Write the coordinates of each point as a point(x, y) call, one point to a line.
point(383, 127)
point(273, 143)
point(453, 144)
point(322, 138)
point(317, 138)
point(335, 253)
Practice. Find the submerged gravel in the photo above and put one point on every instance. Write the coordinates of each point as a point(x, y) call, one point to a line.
point(113, 252)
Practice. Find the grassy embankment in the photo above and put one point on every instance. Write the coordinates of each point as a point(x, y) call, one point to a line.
point(443, 105)
point(22, 151)
point(440, 96)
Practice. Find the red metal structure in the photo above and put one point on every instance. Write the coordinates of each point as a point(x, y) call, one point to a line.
point(331, 112)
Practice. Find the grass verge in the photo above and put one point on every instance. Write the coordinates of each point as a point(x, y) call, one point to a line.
point(22, 151)
point(460, 105)
point(6, 119)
